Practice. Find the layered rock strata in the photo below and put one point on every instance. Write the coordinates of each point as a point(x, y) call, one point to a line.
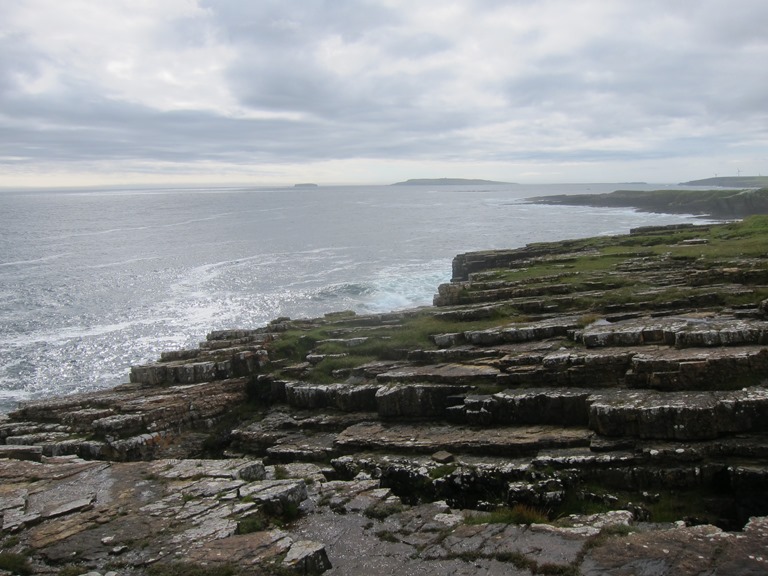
point(611, 412)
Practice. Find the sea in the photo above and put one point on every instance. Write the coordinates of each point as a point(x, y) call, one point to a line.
point(94, 280)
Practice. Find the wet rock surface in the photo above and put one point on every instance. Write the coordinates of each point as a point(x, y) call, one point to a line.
point(522, 426)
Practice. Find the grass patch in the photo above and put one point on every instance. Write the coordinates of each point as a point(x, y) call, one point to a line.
point(523, 562)
point(442, 471)
point(253, 523)
point(517, 514)
point(190, 569)
point(387, 536)
point(281, 473)
point(672, 507)
point(10, 542)
point(381, 510)
point(600, 255)
point(16, 564)
point(576, 502)
point(295, 344)
point(73, 571)
point(322, 373)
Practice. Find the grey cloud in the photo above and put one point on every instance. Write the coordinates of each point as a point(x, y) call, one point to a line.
point(278, 23)
point(105, 129)
point(617, 84)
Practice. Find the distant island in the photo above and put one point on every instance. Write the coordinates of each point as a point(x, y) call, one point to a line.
point(305, 185)
point(724, 204)
point(731, 182)
point(446, 182)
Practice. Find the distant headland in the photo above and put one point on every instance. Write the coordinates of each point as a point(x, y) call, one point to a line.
point(724, 204)
point(446, 182)
point(731, 182)
point(305, 185)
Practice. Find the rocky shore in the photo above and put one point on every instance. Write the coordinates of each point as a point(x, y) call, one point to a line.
point(594, 406)
point(718, 203)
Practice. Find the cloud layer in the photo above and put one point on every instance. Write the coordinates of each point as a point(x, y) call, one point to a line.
point(377, 90)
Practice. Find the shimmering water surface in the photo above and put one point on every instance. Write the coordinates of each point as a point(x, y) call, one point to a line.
point(93, 281)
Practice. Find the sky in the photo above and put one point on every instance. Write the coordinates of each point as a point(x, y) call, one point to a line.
point(377, 91)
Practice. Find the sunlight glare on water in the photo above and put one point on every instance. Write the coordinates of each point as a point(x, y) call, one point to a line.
point(93, 281)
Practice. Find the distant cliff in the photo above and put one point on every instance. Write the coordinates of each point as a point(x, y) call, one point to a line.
point(731, 182)
point(712, 203)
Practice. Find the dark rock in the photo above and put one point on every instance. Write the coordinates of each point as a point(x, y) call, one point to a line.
point(416, 400)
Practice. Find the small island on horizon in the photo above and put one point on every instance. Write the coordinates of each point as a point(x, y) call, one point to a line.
point(446, 182)
point(306, 185)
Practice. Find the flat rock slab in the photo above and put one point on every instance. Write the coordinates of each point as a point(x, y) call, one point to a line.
point(510, 441)
point(33, 453)
point(558, 547)
point(679, 415)
point(679, 331)
point(176, 469)
point(129, 422)
point(443, 373)
point(694, 550)
point(128, 512)
point(65, 508)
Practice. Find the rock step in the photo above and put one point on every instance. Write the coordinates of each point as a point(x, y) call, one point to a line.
point(387, 400)
point(127, 423)
point(522, 332)
point(282, 431)
point(679, 415)
point(456, 353)
point(229, 363)
point(543, 479)
point(680, 332)
point(429, 438)
point(656, 367)
point(566, 367)
point(695, 369)
point(551, 404)
point(542, 406)
point(632, 413)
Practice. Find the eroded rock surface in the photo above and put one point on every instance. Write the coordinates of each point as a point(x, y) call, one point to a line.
point(630, 433)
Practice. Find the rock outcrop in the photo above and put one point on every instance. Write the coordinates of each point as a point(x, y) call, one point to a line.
point(563, 409)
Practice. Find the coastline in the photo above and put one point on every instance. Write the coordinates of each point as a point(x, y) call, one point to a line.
point(717, 204)
point(633, 362)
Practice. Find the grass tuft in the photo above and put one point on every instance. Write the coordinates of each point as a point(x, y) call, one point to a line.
point(16, 564)
point(517, 514)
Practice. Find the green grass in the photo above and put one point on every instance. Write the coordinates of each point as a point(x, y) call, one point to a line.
point(10, 542)
point(322, 373)
point(381, 510)
point(190, 569)
point(281, 472)
point(16, 564)
point(573, 503)
point(384, 343)
point(603, 265)
point(73, 571)
point(602, 254)
point(442, 471)
point(253, 523)
point(517, 514)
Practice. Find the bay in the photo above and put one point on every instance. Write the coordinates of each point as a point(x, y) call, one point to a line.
point(93, 281)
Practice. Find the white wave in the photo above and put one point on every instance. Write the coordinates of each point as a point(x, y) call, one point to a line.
point(122, 262)
point(36, 260)
point(65, 334)
point(109, 231)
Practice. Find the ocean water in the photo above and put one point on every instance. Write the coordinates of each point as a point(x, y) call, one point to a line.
point(93, 281)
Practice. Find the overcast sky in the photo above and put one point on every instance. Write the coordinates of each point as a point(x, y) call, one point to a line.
point(376, 91)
